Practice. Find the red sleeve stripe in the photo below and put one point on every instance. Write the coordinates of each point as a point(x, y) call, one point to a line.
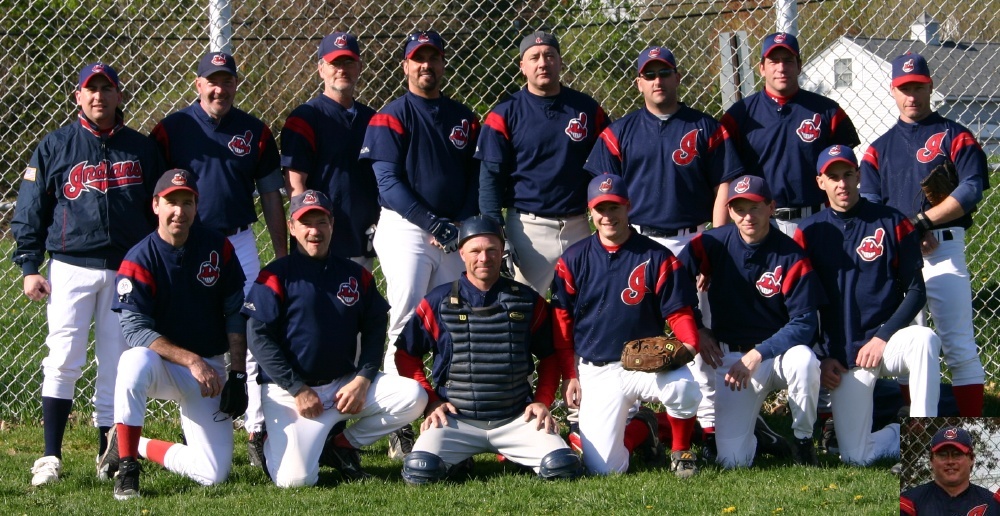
point(160, 135)
point(427, 318)
point(904, 228)
point(732, 129)
point(960, 142)
point(367, 280)
point(540, 314)
point(300, 127)
point(384, 120)
point(667, 268)
point(498, 124)
point(717, 138)
point(611, 143)
point(228, 251)
point(800, 237)
point(601, 119)
point(797, 271)
point(871, 156)
point(563, 272)
point(906, 506)
point(139, 273)
point(474, 129)
point(838, 118)
point(265, 136)
point(272, 282)
point(698, 252)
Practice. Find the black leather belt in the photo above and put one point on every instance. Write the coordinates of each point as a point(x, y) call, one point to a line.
point(318, 383)
point(795, 213)
point(584, 361)
point(240, 229)
point(666, 233)
point(943, 235)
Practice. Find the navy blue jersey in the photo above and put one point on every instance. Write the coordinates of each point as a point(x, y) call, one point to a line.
point(605, 297)
point(313, 310)
point(781, 143)
point(433, 140)
point(226, 159)
point(182, 290)
point(671, 167)
point(894, 165)
point(85, 195)
point(542, 144)
point(323, 139)
point(931, 499)
point(866, 258)
point(755, 289)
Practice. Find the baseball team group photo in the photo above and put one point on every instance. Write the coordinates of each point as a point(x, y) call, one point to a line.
point(542, 297)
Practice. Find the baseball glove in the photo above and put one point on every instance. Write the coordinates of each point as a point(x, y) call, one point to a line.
point(939, 184)
point(655, 354)
point(234, 399)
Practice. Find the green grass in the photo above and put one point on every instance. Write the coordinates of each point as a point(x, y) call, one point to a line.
point(768, 488)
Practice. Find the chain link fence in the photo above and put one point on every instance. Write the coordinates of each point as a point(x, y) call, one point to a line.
point(915, 443)
point(155, 45)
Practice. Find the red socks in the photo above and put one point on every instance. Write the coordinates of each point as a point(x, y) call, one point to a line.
point(969, 399)
point(635, 433)
point(128, 440)
point(681, 430)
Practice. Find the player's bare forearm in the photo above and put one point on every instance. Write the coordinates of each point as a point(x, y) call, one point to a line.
point(948, 210)
point(296, 181)
point(720, 210)
point(274, 218)
point(237, 352)
point(351, 397)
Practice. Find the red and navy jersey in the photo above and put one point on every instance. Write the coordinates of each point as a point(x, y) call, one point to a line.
point(323, 139)
point(182, 290)
point(314, 310)
point(894, 165)
point(542, 144)
point(603, 297)
point(781, 139)
point(671, 167)
point(85, 195)
point(931, 499)
point(755, 289)
point(865, 258)
point(433, 140)
point(225, 159)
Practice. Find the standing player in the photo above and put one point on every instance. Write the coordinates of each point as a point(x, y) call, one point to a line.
point(610, 288)
point(483, 330)
point(951, 492)
point(868, 258)
point(779, 132)
point(533, 147)
point(230, 152)
point(320, 142)
point(891, 171)
point(306, 311)
point(764, 297)
point(180, 290)
point(84, 198)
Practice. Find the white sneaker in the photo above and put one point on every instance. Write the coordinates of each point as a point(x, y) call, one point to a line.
point(46, 470)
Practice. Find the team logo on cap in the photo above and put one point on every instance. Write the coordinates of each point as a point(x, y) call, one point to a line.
point(951, 433)
point(780, 38)
point(98, 68)
point(654, 52)
point(219, 60)
point(538, 40)
point(769, 283)
point(605, 186)
point(743, 185)
point(341, 41)
point(834, 151)
point(871, 246)
point(932, 148)
point(577, 128)
point(240, 145)
point(908, 66)
point(101, 177)
point(689, 149)
point(636, 290)
point(178, 180)
point(460, 134)
point(310, 198)
point(208, 273)
point(809, 130)
point(423, 38)
point(348, 293)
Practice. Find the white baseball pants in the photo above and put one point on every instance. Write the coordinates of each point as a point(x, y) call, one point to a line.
point(539, 242)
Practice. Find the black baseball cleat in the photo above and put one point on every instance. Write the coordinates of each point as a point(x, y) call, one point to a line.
point(401, 442)
point(830, 445)
point(768, 441)
point(683, 463)
point(127, 479)
point(804, 452)
point(107, 463)
point(709, 450)
point(345, 460)
point(255, 449)
point(650, 449)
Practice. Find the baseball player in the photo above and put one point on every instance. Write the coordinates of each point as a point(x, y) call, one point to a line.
point(320, 142)
point(84, 198)
point(482, 330)
point(306, 311)
point(677, 163)
point(421, 147)
point(891, 171)
point(764, 297)
point(230, 152)
point(867, 257)
point(612, 287)
point(180, 290)
point(780, 131)
point(951, 492)
point(533, 147)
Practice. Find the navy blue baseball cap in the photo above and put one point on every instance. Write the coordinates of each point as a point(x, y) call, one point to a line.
point(307, 201)
point(833, 154)
point(779, 40)
point(418, 40)
point(175, 179)
point(539, 38)
point(749, 187)
point(910, 67)
point(952, 436)
point(217, 62)
point(606, 188)
point(661, 54)
point(337, 45)
point(91, 70)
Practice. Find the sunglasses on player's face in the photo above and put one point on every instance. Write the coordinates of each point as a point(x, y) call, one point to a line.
point(662, 73)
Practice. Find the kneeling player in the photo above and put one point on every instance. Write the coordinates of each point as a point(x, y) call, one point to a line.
point(867, 256)
point(306, 311)
point(483, 330)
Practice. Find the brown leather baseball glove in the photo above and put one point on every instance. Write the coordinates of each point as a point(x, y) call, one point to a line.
point(939, 184)
point(655, 354)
